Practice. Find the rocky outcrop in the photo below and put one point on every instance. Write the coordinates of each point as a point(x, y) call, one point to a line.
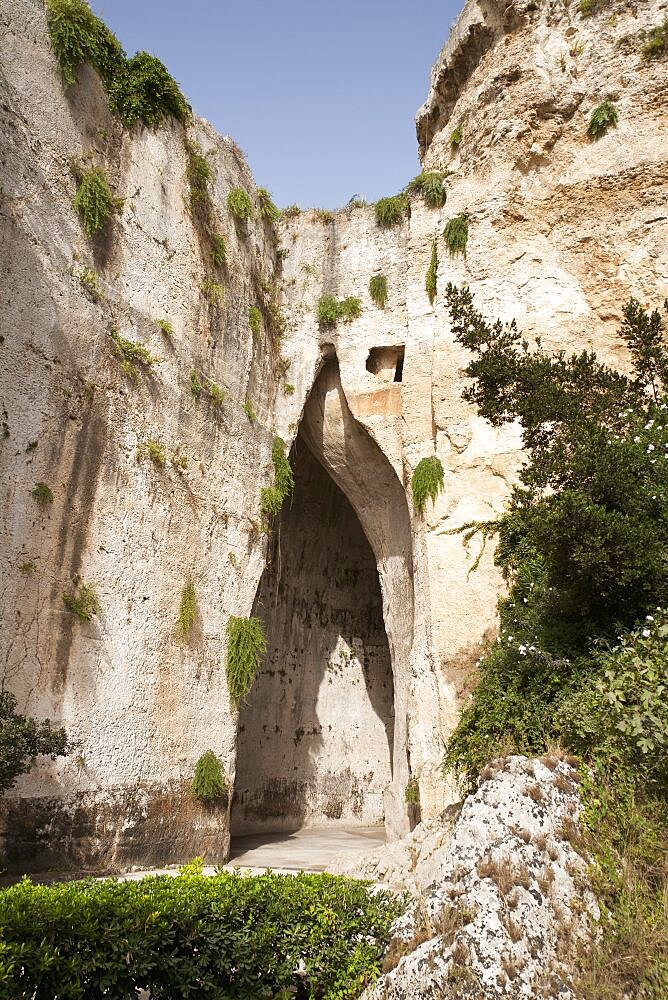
point(500, 896)
point(562, 230)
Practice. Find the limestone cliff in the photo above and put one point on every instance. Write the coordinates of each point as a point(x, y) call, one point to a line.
point(561, 231)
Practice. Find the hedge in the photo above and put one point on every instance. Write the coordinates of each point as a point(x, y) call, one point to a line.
point(226, 936)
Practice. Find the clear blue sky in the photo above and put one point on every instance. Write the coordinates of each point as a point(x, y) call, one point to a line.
point(320, 96)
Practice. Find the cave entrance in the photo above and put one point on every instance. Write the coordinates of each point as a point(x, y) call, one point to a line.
point(315, 741)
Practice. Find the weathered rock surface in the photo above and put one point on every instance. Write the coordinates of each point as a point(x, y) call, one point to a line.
point(500, 898)
point(562, 231)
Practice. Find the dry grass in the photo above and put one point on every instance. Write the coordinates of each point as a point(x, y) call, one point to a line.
point(514, 928)
point(505, 873)
point(522, 834)
point(444, 926)
point(569, 831)
point(553, 852)
point(513, 899)
point(546, 880)
point(540, 841)
point(563, 784)
point(535, 792)
point(460, 952)
point(512, 966)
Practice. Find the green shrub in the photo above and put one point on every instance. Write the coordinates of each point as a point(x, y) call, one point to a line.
point(155, 450)
point(602, 118)
point(427, 482)
point(78, 36)
point(657, 42)
point(216, 394)
point(391, 211)
point(187, 608)
point(431, 278)
point(195, 385)
point(255, 321)
point(198, 174)
point(131, 355)
point(412, 793)
point(268, 210)
point(288, 389)
point(430, 185)
point(22, 740)
point(456, 136)
point(165, 326)
point(271, 502)
point(378, 290)
point(349, 309)
point(143, 90)
point(291, 212)
point(88, 281)
point(94, 200)
point(324, 216)
point(214, 292)
point(84, 602)
point(218, 250)
point(42, 492)
point(456, 235)
point(249, 411)
point(239, 205)
point(208, 783)
point(328, 311)
point(246, 645)
point(272, 497)
point(226, 935)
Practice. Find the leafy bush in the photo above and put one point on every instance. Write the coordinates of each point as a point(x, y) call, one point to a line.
point(78, 36)
point(22, 740)
point(456, 136)
point(218, 250)
point(214, 292)
point(391, 211)
point(427, 482)
point(412, 792)
point(187, 608)
point(42, 492)
point(131, 355)
point(246, 645)
point(94, 200)
point(431, 278)
point(288, 389)
point(456, 235)
point(255, 321)
point(227, 935)
point(268, 210)
point(195, 385)
point(198, 174)
point(430, 185)
point(84, 602)
point(657, 42)
point(155, 450)
point(378, 290)
point(143, 90)
point(330, 310)
point(216, 394)
point(602, 118)
point(239, 204)
point(208, 781)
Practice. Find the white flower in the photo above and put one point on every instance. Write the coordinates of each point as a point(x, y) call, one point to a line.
point(636, 439)
point(646, 633)
point(650, 447)
point(649, 618)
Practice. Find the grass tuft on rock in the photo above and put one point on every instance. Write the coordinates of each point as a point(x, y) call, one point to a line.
point(602, 118)
point(84, 602)
point(208, 784)
point(427, 482)
point(391, 211)
point(240, 205)
point(246, 645)
point(42, 492)
point(94, 200)
point(378, 290)
point(430, 185)
point(431, 278)
point(456, 234)
point(78, 37)
point(187, 608)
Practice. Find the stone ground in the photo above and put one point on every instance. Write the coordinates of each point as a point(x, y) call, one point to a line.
point(310, 849)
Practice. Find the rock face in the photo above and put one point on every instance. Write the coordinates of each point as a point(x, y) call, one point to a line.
point(561, 231)
point(500, 903)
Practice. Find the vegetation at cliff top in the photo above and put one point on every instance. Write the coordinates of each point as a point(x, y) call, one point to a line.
point(268, 209)
point(427, 482)
point(456, 234)
point(187, 608)
point(581, 655)
point(378, 290)
point(227, 935)
point(602, 118)
point(208, 782)
point(431, 277)
point(391, 211)
point(430, 185)
point(22, 740)
point(331, 310)
point(139, 89)
point(246, 645)
point(94, 200)
point(84, 602)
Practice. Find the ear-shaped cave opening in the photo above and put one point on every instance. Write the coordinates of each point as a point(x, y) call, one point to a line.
point(323, 737)
point(315, 740)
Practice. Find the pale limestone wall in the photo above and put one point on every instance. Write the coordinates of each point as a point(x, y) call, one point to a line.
point(562, 231)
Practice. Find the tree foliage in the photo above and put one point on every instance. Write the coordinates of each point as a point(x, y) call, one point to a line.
point(23, 739)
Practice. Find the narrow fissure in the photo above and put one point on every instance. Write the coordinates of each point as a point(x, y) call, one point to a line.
point(315, 739)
